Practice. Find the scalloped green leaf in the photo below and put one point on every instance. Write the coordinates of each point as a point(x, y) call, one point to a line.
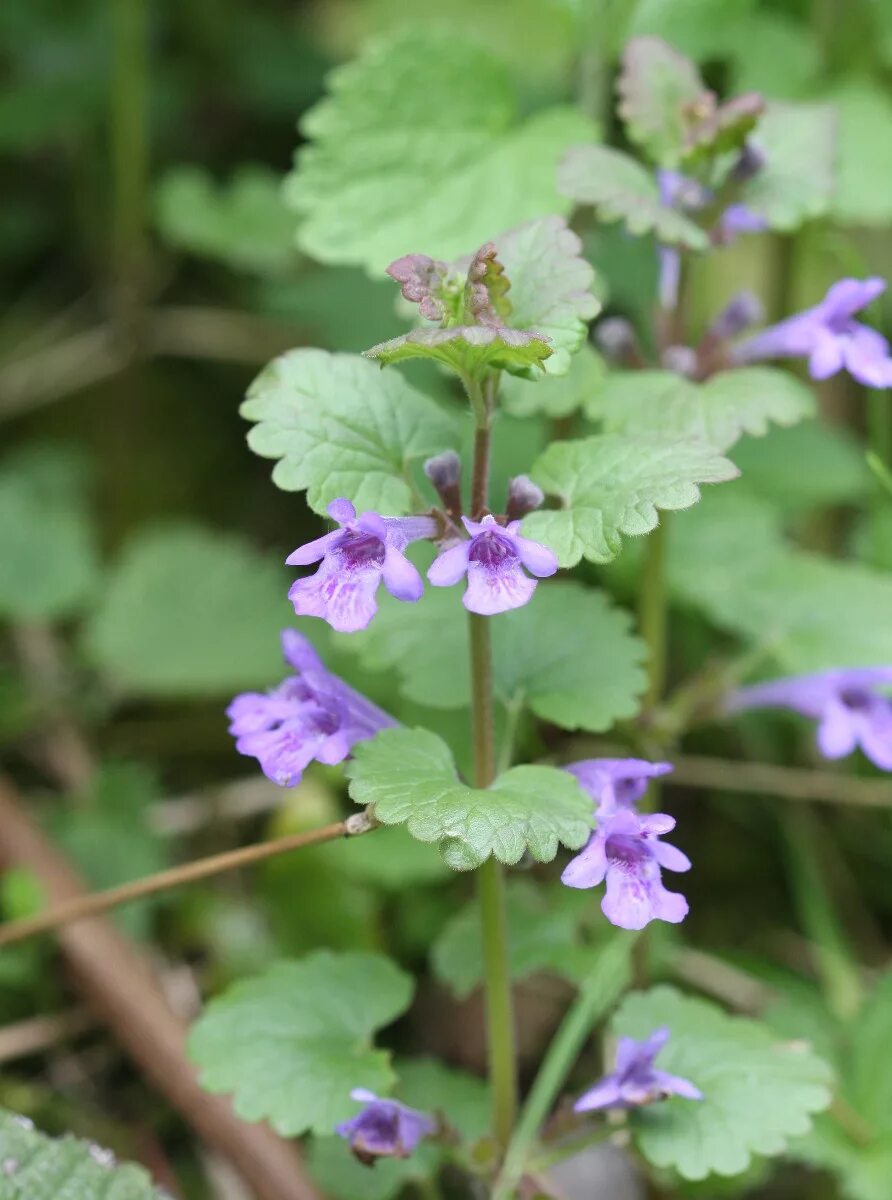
point(758, 1091)
point(36, 1167)
point(469, 350)
point(243, 223)
point(439, 160)
point(718, 412)
point(545, 654)
point(555, 396)
point(610, 485)
point(290, 1044)
point(341, 427)
point(657, 88)
point(798, 178)
point(409, 776)
point(621, 189)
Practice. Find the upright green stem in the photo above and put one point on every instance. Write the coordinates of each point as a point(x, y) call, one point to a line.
point(599, 990)
point(652, 611)
point(500, 1041)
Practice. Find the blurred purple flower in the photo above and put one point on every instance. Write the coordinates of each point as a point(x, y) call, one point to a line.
point(384, 1128)
point(355, 559)
point(829, 337)
point(626, 850)
point(849, 709)
point(736, 220)
point(616, 783)
point(635, 1081)
point(493, 559)
point(311, 715)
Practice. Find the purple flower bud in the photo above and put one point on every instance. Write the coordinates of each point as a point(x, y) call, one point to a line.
point(626, 851)
point(737, 219)
point(615, 784)
point(617, 340)
point(850, 709)
point(384, 1128)
point(311, 715)
point(635, 1081)
point(749, 164)
point(829, 337)
point(493, 559)
point(444, 472)
point(678, 191)
point(739, 313)
point(355, 559)
point(524, 497)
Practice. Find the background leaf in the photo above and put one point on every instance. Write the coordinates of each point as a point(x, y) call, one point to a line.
point(758, 1092)
point(797, 181)
point(436, 164)
point(290, 1044)
point(656, 85)
point(555, 395)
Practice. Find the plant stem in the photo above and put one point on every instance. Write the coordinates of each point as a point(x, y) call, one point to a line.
point(501, 1052)
point(603, 985)
point(652, 611)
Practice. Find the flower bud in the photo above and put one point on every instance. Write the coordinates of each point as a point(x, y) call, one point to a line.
point(444, 472)
point(523, 497)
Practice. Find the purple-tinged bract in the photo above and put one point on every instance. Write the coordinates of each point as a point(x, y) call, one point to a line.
point(384, 1128)
point(311, 715)
point(635, 1081)
point(626, 851)
point(829, 337)
point(493, 559)
point(615, 784)
point(848, 705)
point(356, 558)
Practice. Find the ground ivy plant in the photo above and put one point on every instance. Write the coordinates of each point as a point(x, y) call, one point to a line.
point(483, 599)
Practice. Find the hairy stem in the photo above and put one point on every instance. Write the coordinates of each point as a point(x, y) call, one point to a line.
point(599, 990)
point(91, 903)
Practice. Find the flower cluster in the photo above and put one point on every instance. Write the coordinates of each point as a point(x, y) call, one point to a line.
point(849, 707)
point(367, 550)
point(625, 850)
point(635, 1081)
point(311, 715)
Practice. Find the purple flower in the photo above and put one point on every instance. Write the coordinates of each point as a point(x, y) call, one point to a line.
point(829, 337)
point(493, 559)
point(384, 1128)
point(849, 709)
point(635, 1081)
point(616, 783)
point(355, 559)
point(626, 850)
point(311, 715)
point(737, 219)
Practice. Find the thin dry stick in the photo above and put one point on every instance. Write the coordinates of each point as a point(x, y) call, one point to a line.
point(793, 783)
point(92, 903)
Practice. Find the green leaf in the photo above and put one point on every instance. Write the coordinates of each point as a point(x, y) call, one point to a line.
point(837, 472)
point(467, 349)
point(612, 485)
point(437, 162)
point(391, 860)
point(657, 88)
point(545, 655)
point(47, 540)
point(864, 171)
point(244, 224)
point(812, 613)
point(341, 427)
point(862, 1171)
point(695, 27)
point(799, 143)
point(543, 925)
point(717, 412)
point(773, 53)
point(342, 1177)
point(36, 1167)
point(290, 1044)
point(189, 612)
point(621, 189)
point(868, 1082)
point(758, 1092)
point(409, 776)
point(551, 286)
point(555, 396)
